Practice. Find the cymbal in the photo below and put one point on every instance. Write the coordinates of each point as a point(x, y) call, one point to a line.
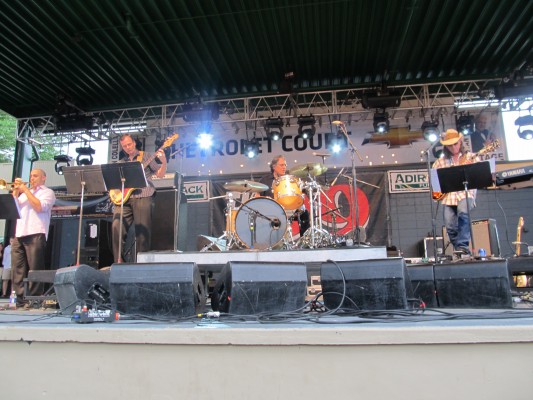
point(245, 186)
point(313, 169)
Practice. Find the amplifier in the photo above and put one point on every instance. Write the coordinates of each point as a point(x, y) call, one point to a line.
point(485, 235)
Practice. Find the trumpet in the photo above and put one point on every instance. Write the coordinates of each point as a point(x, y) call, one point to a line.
point(9, 185)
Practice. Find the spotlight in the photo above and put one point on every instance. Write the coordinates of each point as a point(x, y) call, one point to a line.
point(62, 160)
point(274, 128)
point(306, 126)
point(336, 142)
point(381, 122)
point(465, 124)
point(525, 127)
point(431, 131)
point(251, 148)
point(205, 140)
point(85, 155)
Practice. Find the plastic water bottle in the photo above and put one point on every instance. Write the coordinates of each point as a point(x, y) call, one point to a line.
point(13, 300)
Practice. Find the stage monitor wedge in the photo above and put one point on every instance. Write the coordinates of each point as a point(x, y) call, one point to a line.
point(250, 288)
point(164, 290)
point(381, 284)
point(477, 284)
point(80, 284)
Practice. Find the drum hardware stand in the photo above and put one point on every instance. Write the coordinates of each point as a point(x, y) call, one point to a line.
point(229, 233)
point(353, 152)
point(315, 236)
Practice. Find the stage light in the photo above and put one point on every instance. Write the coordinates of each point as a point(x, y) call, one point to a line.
point(274, 128)
point(85, 155)
point(251, 148)
point(465, 124)
point(62, 160)
point(431, 131)
point(336, 144)
point(205, 140)
point(381, 122)
point(525, 127)
point(306, 126)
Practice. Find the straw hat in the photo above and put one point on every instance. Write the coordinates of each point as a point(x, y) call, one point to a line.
point(451, 136)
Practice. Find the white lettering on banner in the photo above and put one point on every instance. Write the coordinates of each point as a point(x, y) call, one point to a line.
point(405, 181)
point(114, 150)
point(196, 191)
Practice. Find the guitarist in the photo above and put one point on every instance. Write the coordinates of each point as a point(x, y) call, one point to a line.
point(138, 207)
point(455, 208)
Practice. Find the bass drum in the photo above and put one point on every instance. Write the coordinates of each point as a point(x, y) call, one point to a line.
point(261, 224)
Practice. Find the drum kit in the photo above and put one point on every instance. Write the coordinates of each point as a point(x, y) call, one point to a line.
point(263, 223)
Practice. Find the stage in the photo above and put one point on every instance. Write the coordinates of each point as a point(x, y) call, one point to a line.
point(438, 353)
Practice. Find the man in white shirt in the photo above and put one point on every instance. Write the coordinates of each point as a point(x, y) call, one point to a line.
point(28, 248)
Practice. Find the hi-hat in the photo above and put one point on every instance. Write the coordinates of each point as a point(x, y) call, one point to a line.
point(245, 186)
point(312, 169)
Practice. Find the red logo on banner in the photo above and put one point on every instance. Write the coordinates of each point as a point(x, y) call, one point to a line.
point(338, 208)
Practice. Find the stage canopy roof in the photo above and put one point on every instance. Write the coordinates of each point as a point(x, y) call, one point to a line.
point(95, 55)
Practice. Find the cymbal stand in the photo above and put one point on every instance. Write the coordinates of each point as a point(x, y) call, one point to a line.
point(229, 233)
point(315, 236)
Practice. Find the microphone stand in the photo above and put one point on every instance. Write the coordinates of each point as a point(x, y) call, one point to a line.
point(432, 206)
point(353, 152)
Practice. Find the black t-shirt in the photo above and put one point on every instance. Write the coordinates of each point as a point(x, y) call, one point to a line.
point(267, 180)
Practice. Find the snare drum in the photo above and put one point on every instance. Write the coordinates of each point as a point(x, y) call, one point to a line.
point(261, 224)
point(287, 192)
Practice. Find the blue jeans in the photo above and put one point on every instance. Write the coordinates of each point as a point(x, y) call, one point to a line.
point(458, 224)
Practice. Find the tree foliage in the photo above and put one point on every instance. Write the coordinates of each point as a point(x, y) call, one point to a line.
point(8, 138)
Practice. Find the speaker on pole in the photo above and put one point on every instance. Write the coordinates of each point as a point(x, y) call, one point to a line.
point(381, 284)
point(249, 288)
point(157, 289)
point(80, 284)
point(478, 284)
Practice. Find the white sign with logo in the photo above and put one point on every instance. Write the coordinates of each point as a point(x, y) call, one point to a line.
point(196, 191)
point(408, 181)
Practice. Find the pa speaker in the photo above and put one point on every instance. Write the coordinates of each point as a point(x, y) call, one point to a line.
point(248, 288)
point(381, 284)
point(78, 284)
point(478, 284)
point(521, 273)
point(157, 289)
point(423, 283)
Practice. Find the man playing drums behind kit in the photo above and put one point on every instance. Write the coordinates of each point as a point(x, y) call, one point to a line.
point(278, 168)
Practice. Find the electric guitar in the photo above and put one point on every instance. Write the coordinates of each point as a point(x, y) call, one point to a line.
point(116, 195)
point(438, 196)
point(519, 235)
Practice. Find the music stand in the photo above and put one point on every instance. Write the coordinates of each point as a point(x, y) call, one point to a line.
point(123, 175)
point(9, 208)
point(464, 177)
point(77, 180)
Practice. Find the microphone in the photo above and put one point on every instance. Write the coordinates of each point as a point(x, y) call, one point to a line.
point(275, 223)
point(321, 154)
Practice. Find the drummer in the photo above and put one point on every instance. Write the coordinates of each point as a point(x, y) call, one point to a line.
point(278, 167)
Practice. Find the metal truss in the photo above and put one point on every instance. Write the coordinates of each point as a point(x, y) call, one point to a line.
point(234, 113)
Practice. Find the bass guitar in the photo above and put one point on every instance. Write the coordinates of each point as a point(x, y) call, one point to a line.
point(438, 196)
point(519, 235)
point(116, 195)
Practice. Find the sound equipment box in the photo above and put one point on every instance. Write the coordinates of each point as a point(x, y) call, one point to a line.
point(169, 220)
point(485, 235)
point(79, 284)
point(249, 288)
point(423, 283)
point(381, 284)
point(157, 289)
point(478, 284)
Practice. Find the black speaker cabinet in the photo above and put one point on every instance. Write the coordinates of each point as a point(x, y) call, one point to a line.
point(157, 289)
point(521, 273)
point(478, 284)
point(381, 284)
point(423, 283)
point(78, 284)
point(169, 220)
point(485, 235)
point(249, 288)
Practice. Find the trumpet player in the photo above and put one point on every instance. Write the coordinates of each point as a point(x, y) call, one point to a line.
point(28, 249)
